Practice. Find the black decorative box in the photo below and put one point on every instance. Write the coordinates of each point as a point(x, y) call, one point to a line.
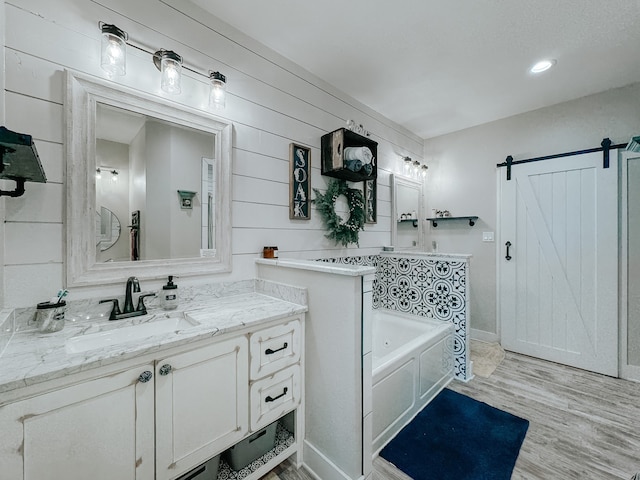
point(349, 156)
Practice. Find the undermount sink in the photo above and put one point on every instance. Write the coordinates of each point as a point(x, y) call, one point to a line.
point(114, 333)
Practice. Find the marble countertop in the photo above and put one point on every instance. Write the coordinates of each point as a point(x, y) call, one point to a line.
point(314, 265)
point(429, 255)
point(31, 357)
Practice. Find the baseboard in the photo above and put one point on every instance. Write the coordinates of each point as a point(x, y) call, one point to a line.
point(483, 336)
point(630, 372)
point(319, 466)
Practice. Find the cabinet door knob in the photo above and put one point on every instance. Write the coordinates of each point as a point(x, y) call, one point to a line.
point(165, 369)
point(145, 376)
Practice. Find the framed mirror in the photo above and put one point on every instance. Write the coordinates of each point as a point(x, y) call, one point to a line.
point(407, 212)
point(136, 155)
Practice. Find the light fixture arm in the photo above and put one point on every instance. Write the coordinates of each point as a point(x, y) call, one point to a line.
point(159, 55)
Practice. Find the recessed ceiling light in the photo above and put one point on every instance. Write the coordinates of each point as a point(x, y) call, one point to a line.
point(542, 66)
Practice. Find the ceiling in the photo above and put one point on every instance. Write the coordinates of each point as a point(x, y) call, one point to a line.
point(435, 67)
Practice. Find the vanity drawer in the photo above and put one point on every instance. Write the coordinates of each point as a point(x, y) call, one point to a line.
point(274, 348)
point(272, 397)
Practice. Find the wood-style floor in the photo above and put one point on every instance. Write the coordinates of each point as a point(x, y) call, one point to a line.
point(582, 425)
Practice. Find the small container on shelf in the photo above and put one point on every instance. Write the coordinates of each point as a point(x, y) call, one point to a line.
point(270, 252)
point(252, 447)
point(207, 471)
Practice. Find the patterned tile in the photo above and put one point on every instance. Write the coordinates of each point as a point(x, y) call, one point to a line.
point(423, 287)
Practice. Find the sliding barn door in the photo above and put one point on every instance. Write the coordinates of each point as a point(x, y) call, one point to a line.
point(558, 283)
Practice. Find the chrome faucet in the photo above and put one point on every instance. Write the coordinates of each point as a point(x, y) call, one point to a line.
point(133, 286)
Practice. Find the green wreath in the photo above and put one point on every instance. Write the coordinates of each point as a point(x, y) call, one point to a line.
point(339, 231)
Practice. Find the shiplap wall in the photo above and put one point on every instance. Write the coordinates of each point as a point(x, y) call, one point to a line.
point(270, 101)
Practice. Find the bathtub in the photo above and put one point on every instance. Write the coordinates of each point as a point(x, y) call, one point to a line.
point(412, 362)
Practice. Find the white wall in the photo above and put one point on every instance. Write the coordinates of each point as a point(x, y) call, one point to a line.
point(2, 122)
point(463, 174)
point(271, 102)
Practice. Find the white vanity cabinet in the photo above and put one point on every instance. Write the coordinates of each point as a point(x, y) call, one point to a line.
point(201, 404)
point(158, 416)
point(276, 377)
point(100, 429)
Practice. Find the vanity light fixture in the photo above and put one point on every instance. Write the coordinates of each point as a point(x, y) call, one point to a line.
point(114, 175)
point(408, 165)
point(170, 64)
point(423, 171)
point(542, 66)
point(98, 174)
point(416, 169)
point(218, 92)
point(113, 58)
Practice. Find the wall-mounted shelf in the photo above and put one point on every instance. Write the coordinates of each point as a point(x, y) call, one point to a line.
point(333, 162)
point(434, 221)
point(414, 220)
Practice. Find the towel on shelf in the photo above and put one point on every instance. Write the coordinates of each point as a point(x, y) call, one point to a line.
point(358, 153)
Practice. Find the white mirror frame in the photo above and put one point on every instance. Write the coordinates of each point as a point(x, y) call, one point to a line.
point(82, 94)
point(396, 181)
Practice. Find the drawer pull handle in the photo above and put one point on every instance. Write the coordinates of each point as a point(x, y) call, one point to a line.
point(145, 376)
point(165, 369)
point(268, 351)
point(273, 399)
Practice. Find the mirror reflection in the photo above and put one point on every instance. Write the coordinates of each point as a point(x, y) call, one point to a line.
point(407, 207)
point(142, 163)
point(108, 230)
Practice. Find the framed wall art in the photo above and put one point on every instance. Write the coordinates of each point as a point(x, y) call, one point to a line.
point(370, 201)
point(299, 182)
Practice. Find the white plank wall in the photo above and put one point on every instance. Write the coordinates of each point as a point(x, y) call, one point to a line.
point(2, 122)
point(271, 102)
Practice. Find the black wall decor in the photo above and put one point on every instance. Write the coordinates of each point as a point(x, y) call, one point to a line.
point(299, 182)
point(343, 158)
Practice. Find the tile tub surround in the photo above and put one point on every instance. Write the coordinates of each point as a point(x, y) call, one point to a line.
point(31, 357)
point(427, 285)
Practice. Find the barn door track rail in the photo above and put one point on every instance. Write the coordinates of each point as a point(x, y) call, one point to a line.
point(605, 147)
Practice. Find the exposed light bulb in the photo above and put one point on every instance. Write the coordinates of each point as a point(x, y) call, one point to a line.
point(98, 174)
point(113, 59)
point(218, 92)
point(408, 166)
point(114, 175)
point(170, 65)
point(416, 168)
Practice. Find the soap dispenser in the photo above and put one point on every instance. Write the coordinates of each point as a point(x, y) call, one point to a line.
point(169, 299)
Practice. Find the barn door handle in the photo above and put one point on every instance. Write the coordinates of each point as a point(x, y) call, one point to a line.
point(507, 256)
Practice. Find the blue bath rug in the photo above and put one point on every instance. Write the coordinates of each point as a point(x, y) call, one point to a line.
point(457, 437)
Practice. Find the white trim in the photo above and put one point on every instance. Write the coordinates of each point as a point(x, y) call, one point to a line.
point(626, 371)
point(319, 466)
point(482, 336)
point(82, 94)
point(498, 240)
